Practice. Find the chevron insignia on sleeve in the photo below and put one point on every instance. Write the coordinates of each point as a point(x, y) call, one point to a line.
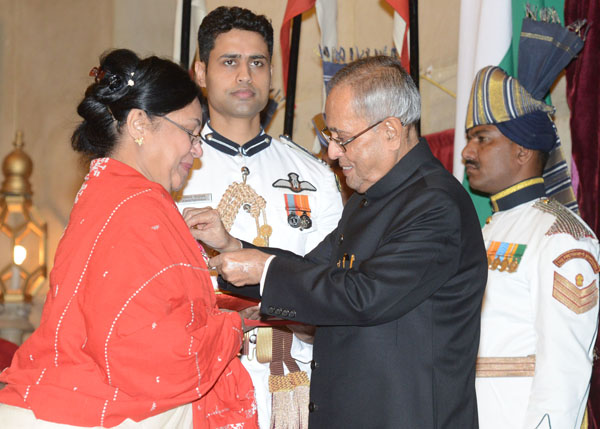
point(576, 298)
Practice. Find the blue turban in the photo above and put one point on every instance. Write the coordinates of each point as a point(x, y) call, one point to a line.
point(516, 106)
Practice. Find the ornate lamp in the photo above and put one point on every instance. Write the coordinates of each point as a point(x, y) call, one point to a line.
point(23, 236)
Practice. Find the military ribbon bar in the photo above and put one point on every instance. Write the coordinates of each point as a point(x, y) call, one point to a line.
point(504, 256)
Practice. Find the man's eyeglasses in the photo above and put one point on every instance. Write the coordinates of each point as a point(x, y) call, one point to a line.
point(325, 132)
point(194, 138)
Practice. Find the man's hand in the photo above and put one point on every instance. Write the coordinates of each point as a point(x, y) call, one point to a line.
point(206, 226)
point(305, 333)
point(242, 267)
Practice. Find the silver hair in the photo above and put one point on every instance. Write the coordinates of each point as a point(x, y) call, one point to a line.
point(381, 88)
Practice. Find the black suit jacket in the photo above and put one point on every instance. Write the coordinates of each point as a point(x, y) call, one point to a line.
point(396, 293)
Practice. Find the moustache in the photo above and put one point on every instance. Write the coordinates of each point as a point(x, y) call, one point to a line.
point(245, 88)
point(470, 162)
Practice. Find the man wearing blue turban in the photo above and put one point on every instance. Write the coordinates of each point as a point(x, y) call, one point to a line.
point(540, 308)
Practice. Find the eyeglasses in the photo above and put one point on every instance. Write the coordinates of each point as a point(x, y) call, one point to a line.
point(325, 132)
point(195, 139)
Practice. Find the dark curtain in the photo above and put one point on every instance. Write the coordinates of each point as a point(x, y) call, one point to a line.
point(442, 147)
point(583, 96)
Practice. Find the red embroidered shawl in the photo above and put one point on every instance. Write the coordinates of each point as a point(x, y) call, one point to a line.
point(130, 327)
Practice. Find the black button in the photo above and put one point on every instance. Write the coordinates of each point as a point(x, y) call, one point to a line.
point(341, 239)
point(292, 314)
point(314, 364)
point(364, 203)
point(278, 311)
point(271, 309)
point(284, 313)
point(312, 407)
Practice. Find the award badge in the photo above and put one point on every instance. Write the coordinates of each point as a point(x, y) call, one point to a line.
point(294, 183)
point(298, 210)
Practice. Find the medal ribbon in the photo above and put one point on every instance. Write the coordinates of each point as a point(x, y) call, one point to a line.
point(499, 251)
point(290, 204)
point(297, 204)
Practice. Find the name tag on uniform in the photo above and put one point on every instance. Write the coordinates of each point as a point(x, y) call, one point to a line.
point(196, 198)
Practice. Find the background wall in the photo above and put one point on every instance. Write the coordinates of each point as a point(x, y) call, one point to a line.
point(47, 49)
point(361, 23)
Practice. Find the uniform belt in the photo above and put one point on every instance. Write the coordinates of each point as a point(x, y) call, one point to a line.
point(505, 366)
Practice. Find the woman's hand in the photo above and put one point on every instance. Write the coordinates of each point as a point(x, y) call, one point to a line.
point(206, 226)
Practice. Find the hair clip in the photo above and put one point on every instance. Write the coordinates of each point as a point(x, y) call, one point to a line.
point(97, 73)
point(130, 82)
point(115, 83)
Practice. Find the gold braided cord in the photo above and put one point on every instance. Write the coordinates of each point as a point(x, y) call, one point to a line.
point(280, 383)
point(299, 378)
point(240, 195)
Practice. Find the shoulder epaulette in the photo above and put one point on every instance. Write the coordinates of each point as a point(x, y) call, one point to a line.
point(293, 145)
point(566, 222)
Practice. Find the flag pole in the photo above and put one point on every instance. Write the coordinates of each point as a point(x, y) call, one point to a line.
point(413, 22)
point(186, 13)
point(290, 98)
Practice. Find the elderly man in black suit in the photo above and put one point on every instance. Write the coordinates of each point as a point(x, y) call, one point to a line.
point(396, 289)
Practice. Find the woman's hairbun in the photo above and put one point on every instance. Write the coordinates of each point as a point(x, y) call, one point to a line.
point(123, 82)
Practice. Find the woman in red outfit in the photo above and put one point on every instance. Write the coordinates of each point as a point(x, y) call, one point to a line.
point(130, 334)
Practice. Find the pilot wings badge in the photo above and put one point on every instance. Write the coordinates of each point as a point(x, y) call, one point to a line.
point(294, 184)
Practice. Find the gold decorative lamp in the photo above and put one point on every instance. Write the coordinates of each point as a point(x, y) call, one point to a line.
point(23, 236)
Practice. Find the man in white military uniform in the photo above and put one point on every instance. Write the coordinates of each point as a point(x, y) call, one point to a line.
point(540, 308)
point(268, 192)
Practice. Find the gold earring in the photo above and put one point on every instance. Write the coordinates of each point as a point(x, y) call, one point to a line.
point(139, 141)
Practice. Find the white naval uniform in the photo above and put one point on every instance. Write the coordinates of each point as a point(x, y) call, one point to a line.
point(532, 312)
point(267, 163)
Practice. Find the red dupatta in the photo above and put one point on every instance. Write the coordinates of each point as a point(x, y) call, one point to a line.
point(130, 327)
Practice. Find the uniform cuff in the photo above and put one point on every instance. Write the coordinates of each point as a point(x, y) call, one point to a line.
point(264, 273)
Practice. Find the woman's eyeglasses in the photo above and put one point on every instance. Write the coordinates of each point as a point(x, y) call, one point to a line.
point(194, 138)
